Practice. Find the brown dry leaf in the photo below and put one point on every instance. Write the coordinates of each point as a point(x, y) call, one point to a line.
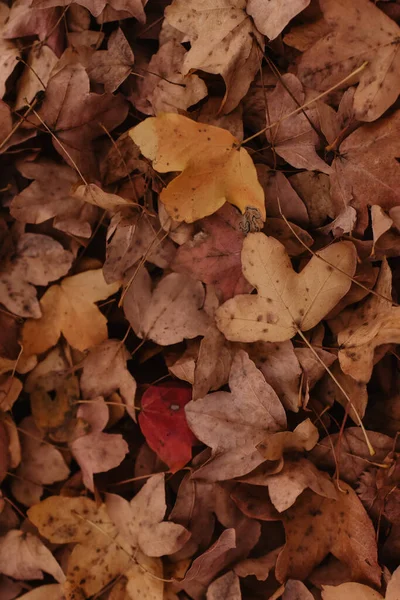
point(356, 591)
point(314, 190)
point(77, 117)
point(226, 587)
point(209, 113)
point(100, 554)
point(105, 372)
point(36, 260)
point(232, 424)
point(315, 526)
point(132, 237)
point(93, 194)
point(213, 255)
point(270, 19)
point(9, 53)
point(296, 590)
point(141, 523)
point(164, 87)
point(10, 389)
point(69, 309)
point(131, 8)
point(56, 416)
point(380, 223)
point(26, 21)
point(121, 159)
point(214, 169)
point(366, 171)
point(145, 579)
point(50, 195)
point(293, 238)
point(223, 41)
point(286, 301)
point(172, 313)
point(280, 197)
point(329, 392)
point(24, 556)
point(294, 139)
point(53, 591)
point(40, 62)
point(213, 364)
point(112, 66)
point(304, 437)
point(41, 464)
point(374, 323)
point(359, 32)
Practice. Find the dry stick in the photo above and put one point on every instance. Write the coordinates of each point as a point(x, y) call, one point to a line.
point(345, 394)
point(301, 108)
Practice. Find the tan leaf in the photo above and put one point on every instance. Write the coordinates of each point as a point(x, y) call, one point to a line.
point(304, 437)
point(315, 526)
point(374, 323)
point(343, 49)
point(223, 41)
point(214, 169)
point(24, 556)
point(69, 309)
point(286, 301)
point(356, 591)
point(53, 591)
point(296, 590)
point(145, 578)
point(226, 587)
point(329, 391)
point(140, 521)
point(212, 365)
point(172, 313)
point(232, 424)
point(40, 62)
point(93, 194)
point(270, 19)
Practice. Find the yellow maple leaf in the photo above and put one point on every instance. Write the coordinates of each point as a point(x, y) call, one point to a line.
point(215, 169)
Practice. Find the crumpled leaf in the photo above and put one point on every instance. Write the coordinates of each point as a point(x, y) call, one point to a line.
point(105, 372)
point(100, 554)
point(213, 256)
point(172, 313)
point(232, 424)
point(164, 87)
point(270, 19)
point(140, 521)
point(112, 66)
point(315, 526)
point(372, 324)
point(24, 556)
point(77, 117)
point(223, 41)
point(36, 260)
point(69, 309)
point(50, 195)
point(286, 301)
point(162, 421)
point(342, 50)
point(214, 169)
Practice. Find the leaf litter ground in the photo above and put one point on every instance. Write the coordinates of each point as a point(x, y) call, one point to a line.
point(199, 275)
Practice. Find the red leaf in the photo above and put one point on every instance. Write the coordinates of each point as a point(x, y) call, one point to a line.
point(163, 423)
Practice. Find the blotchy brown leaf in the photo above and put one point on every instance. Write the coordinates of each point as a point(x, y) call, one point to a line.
point(271, 18)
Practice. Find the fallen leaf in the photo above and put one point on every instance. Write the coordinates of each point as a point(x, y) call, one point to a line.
point(53, 591)
point(223, 41)
point(314, 190)
point(343, 49)
point(141, 523)
point(69, 309)
point(163, 423)
point(315, 526)
point(24, 556)
point(55, 416)
point(213, 364)
point(374, 323)
point(232, 424)
point(133, 7)
point(213, 256)
point(214, 169)
point(355, 390)
point(357, 591)
point(272, 18)
point(171, 313)
point(226, 587)
point(36, 260)
point(286, 301)
point(304, 437)
point(145, 578)
point(280, 196)
point(112, 66)
point(24, 21)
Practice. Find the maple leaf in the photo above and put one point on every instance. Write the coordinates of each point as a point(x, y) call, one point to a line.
point(223, 41)
point(50, 195)
point(341, 527)
point(77, 117)
point(112, 66)
point(37, 260)
point(374, 323)
point(213, 364)
point(171, 313)
point(25, 21)
point(69, 309)
point(163, 423)
point(141, 523)
point(133, 7)
point(99, 555)
point(286, 301)
point(213, 256)
point(304, 437)
point(294, 139)
point(97, 452)
point(41, 60)
point(270, 19)
point(24, 556)
point(359, 32)
point(232, 424)
point(164, 87)
point(214, 169)
point(366, 170)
